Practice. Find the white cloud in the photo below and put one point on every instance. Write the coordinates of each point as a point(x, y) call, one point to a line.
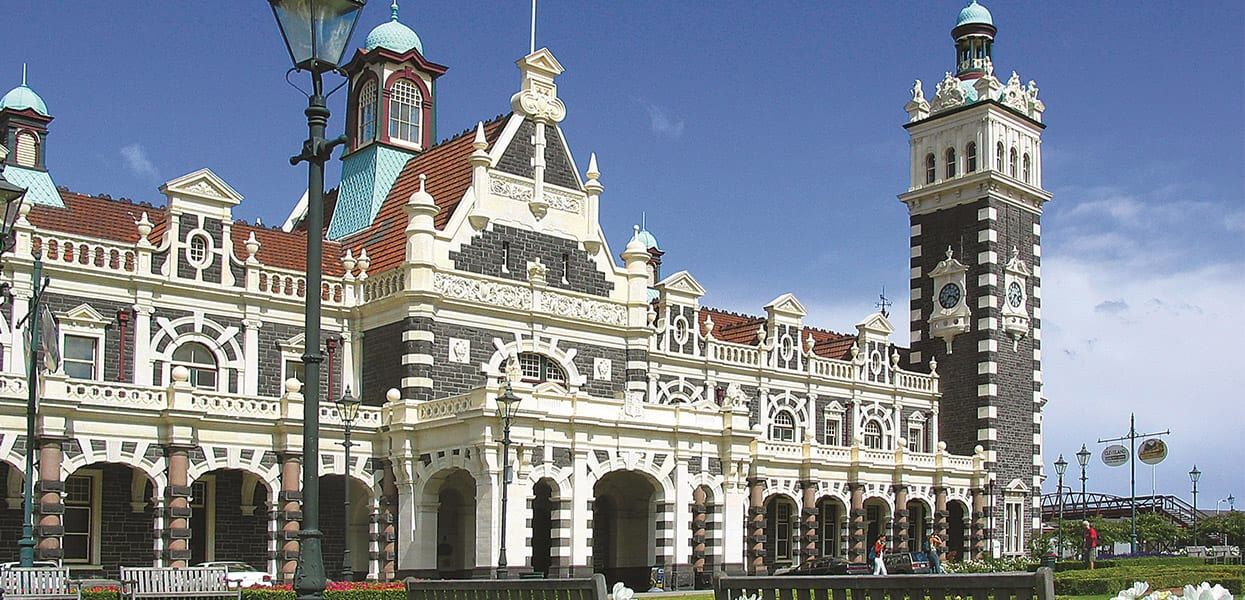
point(663, 123)
point(135, 157)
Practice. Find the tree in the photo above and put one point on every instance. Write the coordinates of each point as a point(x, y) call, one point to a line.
point(1159, 533)
point(1229, 526)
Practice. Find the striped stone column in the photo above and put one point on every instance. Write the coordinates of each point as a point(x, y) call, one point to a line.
point(857, 537)
point(700, 518)
point(756, 526)
point(290, 515)
point(809, 517)
point(417, 359)
point(560, 537)
point(940, 512)
point(979, 523)
point(665, 539)
point(48, 528)
point(900, 543)
point(387, 522)
point(177, 532)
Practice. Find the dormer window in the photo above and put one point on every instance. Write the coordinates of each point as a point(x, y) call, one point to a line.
point(405, 111)
point(950, 158)
point(970, 157)
point(931, 169)
point(367, 113)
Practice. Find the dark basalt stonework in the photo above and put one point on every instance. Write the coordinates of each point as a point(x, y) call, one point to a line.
point(569, 267)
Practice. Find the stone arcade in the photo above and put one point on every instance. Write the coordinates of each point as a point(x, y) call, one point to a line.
point(652, 431)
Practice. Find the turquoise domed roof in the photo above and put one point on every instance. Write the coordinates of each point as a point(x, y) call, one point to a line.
point(974, 13)
point(21, 98)
point(647, 238)
point(394, 36)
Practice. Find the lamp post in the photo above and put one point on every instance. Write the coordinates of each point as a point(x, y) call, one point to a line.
point(347, 409)
point(1083, 457)
point(1195, 475)
point(11, 202)
point(315, 34)
point(507, 402)
point(1061, 466)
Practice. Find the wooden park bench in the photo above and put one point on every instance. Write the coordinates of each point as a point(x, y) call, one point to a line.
point(997, 586)
point(38, 583)
point(507, 589)
point(173, 582)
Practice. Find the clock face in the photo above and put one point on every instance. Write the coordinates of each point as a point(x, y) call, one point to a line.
point(949, 296)
point(1015, 294)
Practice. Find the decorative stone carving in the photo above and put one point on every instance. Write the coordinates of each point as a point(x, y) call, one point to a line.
point(583, 308)
point(510, 188)
point(602, 369)
point(202, 188)
point(735, 397)
point(1015, 95)
point(484, 292)
point(539, 103)
point(460, 350)
point(918, 95)
point(949, 95)
point(633, 404)
point(563, 202)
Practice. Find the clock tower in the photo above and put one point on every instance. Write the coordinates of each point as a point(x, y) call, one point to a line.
point(975, 201)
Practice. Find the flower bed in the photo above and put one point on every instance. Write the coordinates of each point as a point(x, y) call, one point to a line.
point(1109, 580)
point(1140, 590)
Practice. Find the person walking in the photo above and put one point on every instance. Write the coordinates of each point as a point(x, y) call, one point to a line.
point(932, 548)
point(878, 552)
point(1091, 543)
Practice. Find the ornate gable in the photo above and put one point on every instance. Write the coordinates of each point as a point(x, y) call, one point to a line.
point(201, 192)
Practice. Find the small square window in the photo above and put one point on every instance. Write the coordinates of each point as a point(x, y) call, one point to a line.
point(78, 356)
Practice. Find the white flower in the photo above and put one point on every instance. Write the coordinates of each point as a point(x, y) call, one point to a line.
point(1159, 595)
point(1133, 593)
point(622, 592)
point(752, 597)
point(1206, 592)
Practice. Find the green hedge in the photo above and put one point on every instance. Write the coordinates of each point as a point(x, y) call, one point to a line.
point(276, 594)
point(1110, 580)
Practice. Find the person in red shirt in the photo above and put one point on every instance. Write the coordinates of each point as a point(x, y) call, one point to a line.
point(1091, 543)
point(879, 549)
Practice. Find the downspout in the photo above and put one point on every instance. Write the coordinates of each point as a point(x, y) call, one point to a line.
point(123, 319)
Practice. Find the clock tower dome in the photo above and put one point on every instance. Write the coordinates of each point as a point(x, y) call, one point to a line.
point(975, 200)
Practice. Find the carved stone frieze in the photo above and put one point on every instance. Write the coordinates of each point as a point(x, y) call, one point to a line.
point(484, 292)
point(507, 187)
point(583, 308)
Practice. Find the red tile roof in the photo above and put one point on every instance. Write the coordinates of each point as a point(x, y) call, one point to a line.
point(448, 177)
point(742, 329)
point(104, 218)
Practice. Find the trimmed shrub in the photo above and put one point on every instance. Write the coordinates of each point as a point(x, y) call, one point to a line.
point(1108, 581)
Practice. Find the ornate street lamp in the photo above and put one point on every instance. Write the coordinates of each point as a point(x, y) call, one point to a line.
point(1083, 458)
point(347, 409)
point(1061, 466)
point(507, 402)
point(1195, 475)
point(315, 33)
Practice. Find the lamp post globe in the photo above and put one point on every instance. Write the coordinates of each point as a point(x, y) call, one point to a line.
point(1061, 467)
point(507, 402)
point(1195, 475)
point(1082, 457)
point(316, 33)
point(348, 410)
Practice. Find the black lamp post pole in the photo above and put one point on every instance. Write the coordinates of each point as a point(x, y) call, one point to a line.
point(309, 576)
point(26, 546)
point(502, 571)
point(1083, 458)
point(1195, 475)
point(347, 569)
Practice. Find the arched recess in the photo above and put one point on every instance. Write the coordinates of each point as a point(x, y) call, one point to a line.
point(832, 523)
point(495, 368)
point(879, 515)
point(920, 523)
point(221, 340)
point(448, 509)
point(957, 529)
point(109, 516)
point(885, 421)
point(782, 531)
point(795, 407)
point(624, 526)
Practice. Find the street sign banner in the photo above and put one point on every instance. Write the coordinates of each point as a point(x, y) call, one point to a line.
point(1152, 451)
point(1114, 455)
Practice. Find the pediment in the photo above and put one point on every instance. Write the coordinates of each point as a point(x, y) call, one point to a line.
point(681, 283)
point(1017, 486)
point(876, 323)
point(202, 184)
point(542, 60)
point(786, 304)
point(1017, 266)
point(293, 344)
point(948, 266)
point(83, 315)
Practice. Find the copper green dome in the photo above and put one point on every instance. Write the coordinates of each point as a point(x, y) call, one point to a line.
point(974, 13)
point(22, 98)
point(394, 36)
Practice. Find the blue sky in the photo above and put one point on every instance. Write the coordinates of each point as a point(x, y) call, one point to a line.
point(764, 141)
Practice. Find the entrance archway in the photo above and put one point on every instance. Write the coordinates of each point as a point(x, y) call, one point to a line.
point(456, 525)
point(542, 527)
point(333, 522)
point(228, 514)
point(877, 521)
point(108, 529)
point(956, 512)
point(918, 526)
point(782, 547)
point(624, 528)
point(830, 519)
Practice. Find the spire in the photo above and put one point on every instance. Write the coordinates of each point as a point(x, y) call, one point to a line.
point(23, 74)
point(393, 11)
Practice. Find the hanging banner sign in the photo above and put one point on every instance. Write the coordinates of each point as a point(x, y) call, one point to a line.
point(1152, 451)
point(1114, 455)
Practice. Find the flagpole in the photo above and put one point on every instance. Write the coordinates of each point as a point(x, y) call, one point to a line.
point(532, 45)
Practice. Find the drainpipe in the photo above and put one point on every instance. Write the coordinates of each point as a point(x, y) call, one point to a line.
point(123, 319)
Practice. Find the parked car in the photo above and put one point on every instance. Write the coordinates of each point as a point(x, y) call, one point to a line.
point(240, 574)
point(907, 562)
point(825, 565)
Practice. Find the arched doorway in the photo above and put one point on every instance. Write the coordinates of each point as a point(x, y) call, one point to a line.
point(877, 521)
point(108, 529)
point(624, 528)
point(456, 525)
point(542, 527)
point(340, 529)
point(228, 513)
point(831, 513)
point(782, 548)
point(918, 525)
point(956, 512)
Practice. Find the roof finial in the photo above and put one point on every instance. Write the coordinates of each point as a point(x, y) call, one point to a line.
point(644, 220)
point(393, 11)
point(532, 45)
point(23, 73)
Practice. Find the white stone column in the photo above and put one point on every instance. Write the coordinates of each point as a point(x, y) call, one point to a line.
point(250, 359)
point(682, 509)
point(579, 496)
point(142, 344)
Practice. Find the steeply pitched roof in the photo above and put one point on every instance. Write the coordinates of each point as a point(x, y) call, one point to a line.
point(742, 329)
point(448, 177)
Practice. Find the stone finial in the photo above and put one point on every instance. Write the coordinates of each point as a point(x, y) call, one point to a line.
point(933, 366)
point(635, 249)
point(480, 156)
point(593, 172)
point(421, 197)
point(536, 272)
point(393, 395)
point(252, 247)
point(942, 446)
point(651, 316)
point(348, 263)
point(894, 359)
point(180, 374)
point(810, 343)
point(143, 223)
point(761, 334)
point(709, 326)
point(364, 262)
point(293, 385)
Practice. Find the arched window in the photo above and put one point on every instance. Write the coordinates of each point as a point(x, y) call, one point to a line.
point(873, 435)
point(536, 368)
point(931, 169)
point(950, 158)
point(783, 427)
point(970, 157)
point(200, 362)
point(1025, 172)
point(998, 157)
point(367, 113)
point(27, 147)
point(1011, 163)
point(405, 111)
